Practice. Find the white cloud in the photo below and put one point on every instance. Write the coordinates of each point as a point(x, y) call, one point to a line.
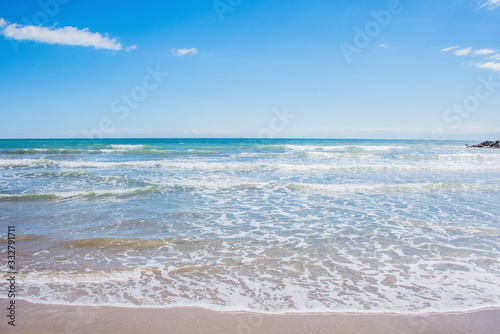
point(463, 52)
point(492, 65)
point(450, 48)
point(184, 52)
point(467, 51)
point(491, 57)
point(385, 46)
point(484, 51)
point(491, 4)
point(62, 36)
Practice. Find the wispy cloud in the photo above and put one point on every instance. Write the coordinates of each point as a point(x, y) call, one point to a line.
point(62, 36)
point(184, 52)
point(492, 65)
point(490, 56)
point(450, 48)
point(386, 46)
point(484, 51)
point(491, 4)
point(463, 52)
point(467, 51)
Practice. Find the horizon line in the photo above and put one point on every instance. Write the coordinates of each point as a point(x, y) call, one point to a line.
point(232, 138)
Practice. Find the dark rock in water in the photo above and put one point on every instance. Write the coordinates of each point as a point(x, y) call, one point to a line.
point(487, 144)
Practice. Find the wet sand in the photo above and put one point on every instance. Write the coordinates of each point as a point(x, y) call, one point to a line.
point(39, 318)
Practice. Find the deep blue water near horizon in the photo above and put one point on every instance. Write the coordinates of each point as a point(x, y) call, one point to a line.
point(73, 142)
point(271, 225)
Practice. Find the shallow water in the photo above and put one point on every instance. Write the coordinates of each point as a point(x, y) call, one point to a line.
point(263, 225)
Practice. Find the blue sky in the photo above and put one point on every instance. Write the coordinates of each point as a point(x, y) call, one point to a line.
point(241, 68)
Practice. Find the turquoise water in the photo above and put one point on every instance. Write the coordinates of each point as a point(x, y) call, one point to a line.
point(263, 225)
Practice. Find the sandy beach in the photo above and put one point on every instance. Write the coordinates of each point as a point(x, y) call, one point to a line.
point(246, 167)
point(38, 318)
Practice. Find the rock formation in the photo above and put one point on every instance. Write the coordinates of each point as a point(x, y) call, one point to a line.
point(487, 144)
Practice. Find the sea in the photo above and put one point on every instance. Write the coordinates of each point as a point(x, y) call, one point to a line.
point(269, 226)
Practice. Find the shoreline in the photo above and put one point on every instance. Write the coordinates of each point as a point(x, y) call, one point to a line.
point(49, 318)
point(264, 313)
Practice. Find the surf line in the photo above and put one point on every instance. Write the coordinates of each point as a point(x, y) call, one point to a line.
point(11, 264)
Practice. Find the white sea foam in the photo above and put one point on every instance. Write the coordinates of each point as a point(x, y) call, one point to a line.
point(23, 162)
point(344, 147)
point(381, 147)
point(385, 187)
point(127, 147)
point(70, 194)
point(216, 184)
point(263, 165)
point(74, 277)
point(354, 285)
point(403, 228)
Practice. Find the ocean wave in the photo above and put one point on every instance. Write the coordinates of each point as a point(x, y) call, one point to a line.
point(112, 149)
point(256, 154)
point(25, 238)
point(331, 155)
point(477, 156)
point(238, 308)
point(19, 163)
point(369, 227)
point(189, 184)
point(78, 277)
point(271, 147)
point(126, 244)
point(247, 185)
point(384, 187)
point(303, 286)
point(23, 151)
point(382, 147)
point(73, 194)
point(348, 148)
point(56, 174)
point(127, 147)
point(259, 165)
